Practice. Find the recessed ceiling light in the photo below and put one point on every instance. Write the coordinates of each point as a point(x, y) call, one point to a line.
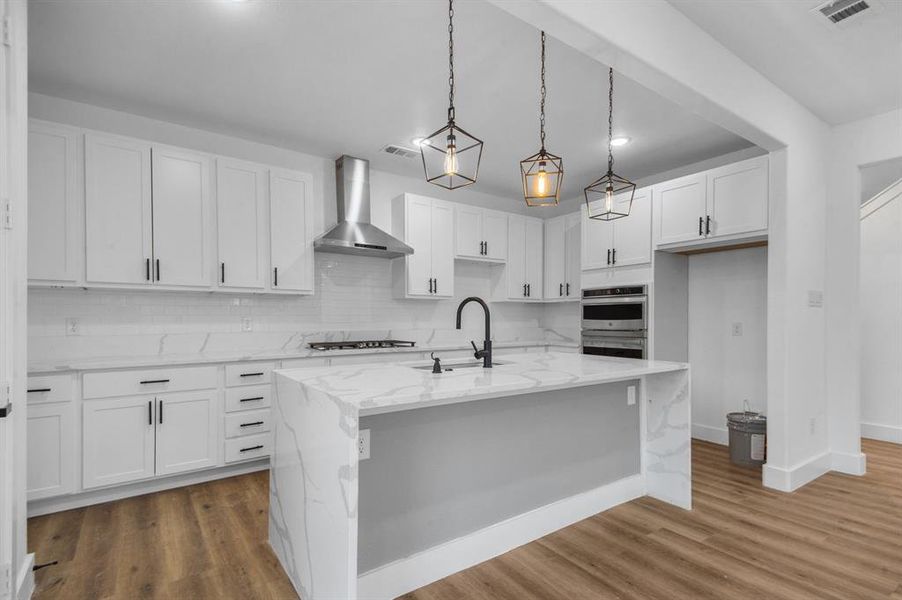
point(620, 141)
point(418, 141)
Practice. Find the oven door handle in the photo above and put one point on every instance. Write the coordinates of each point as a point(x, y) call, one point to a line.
point(615, 300)
point(635, 344)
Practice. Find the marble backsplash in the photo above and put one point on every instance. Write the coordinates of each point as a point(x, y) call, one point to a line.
point(353, 301)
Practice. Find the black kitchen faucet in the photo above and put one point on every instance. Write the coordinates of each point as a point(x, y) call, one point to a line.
point(486, 353)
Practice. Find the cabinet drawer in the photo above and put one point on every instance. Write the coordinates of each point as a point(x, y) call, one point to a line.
point(148, 381)
point(246, 448)
point(248, 374)
point(50, 388)
point(247, 423)
point(247, 398)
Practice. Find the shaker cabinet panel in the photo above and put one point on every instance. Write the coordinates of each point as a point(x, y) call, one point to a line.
point(597, 242)
point(442, 224)
point(555, 258)
point(51, 450)
point(118, 440)
point(468, 230)
point(187, 431)
point(632, 234)
point(291, 231)
point(418, 235)
point(118, 210)
point(681, 206)
point(495, 234)
point(241, 225)
point(53, 222)
point(737, 197)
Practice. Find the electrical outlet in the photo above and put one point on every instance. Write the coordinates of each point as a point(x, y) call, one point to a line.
point(363, 444)
point(630, 395)
point(737, 329)
point(247, 324)
point(812, 425)
point(815, 298)
point(72, 327)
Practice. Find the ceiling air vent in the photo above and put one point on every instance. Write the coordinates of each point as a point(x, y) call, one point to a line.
point(401, 151)
point(840, 13)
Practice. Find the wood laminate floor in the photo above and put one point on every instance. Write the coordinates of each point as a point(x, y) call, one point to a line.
point(839, 538)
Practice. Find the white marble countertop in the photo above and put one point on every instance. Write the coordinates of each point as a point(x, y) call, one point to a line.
point(168, 360)
point(391, 387)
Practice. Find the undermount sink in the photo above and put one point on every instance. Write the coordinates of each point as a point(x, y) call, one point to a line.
point(453, 366)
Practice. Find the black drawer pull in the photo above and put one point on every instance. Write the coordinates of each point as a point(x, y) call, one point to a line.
point(257, 447)
point(252, 374)
point(251, 399)
point(251, 424)
point(36, 390)
point(146, 381)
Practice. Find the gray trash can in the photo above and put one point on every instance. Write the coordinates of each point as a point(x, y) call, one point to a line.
point(748, 437)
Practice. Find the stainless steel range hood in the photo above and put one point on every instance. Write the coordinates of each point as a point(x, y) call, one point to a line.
point(354, 234)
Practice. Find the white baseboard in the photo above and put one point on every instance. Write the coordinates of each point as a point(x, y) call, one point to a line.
point(408, 574)
point(884, 433)
point(850, 464)
point(25, 579)
point(715, 435)
point(791, 479)
point(45, 506)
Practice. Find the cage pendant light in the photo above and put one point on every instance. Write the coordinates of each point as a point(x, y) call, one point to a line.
point(611, 196)
point(451, 155)
point(542, 172)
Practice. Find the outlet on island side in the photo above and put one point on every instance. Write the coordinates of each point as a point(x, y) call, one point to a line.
point(363, 444)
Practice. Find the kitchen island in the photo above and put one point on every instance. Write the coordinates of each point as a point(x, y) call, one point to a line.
point(465, 464)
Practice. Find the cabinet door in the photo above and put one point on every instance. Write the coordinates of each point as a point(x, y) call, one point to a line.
point(535, 258)
point(241, 226)
point(51, 450)
point(468, 227)
point(680, 204)
point(597, 242)
point(291, 230)
point(516, 257)
point(117, 440)
point(52, 203)
point(555, 258)
point(442, 226)
point(737, 197)
point(188, 431)
point(117, 210)
point(572, 238)
point(418, 235)
point(632, 234)
point(494, 232)
point(181, 207)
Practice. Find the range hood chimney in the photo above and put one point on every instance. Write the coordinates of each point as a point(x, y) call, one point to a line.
point(354, 234)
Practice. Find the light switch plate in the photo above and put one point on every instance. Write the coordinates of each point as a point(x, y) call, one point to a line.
point(72, 327)
point(247, 324)
point(815, 298)
point(737, 329)
point(630, 395)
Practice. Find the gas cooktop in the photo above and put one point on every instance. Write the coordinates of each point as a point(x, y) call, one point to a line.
point(361, 344)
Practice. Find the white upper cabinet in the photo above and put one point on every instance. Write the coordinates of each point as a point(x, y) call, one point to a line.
point(721, 204)
point(737, 197)
point(291, 231)
point(621, 242)
point(118, 229)
point(53, 204)
point(181, 213)
point(681, 206)
point(562, 257)
point(480, 234)
point(241, 224)
point(521, 278)
point(427, 226)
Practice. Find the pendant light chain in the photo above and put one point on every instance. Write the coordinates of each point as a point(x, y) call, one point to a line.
point(542, 104)
point(611, 120)
point(451, 60)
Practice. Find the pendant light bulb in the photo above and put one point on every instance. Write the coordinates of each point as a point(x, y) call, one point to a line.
point(450, 165)
point(609, 197)
point(542, 181)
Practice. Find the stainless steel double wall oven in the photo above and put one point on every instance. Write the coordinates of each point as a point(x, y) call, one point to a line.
point(615, 321)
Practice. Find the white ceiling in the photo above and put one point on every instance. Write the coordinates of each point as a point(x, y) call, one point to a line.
point(841, 75)
point(351, 76)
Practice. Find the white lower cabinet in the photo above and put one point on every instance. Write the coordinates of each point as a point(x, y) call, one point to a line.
point(128, 439)
point(51, 450)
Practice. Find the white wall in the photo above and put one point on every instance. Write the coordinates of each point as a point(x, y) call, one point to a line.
point(881, 317)
point(727, 288)
point(853, 145)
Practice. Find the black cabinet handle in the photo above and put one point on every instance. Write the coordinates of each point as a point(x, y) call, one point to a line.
point(147, 269)
point(254, 424)
point(257, 447)
point(568, 289)
point(260, 374)
point(561, 290)
point(524, 290)
point(161, 412)
point(254, 399)
point(38, 390)
point(708, 225)
point(435, 285)
point(528, 290)
point(430, 285)
point(158, 269)
point(614, 256)
point(150, 412)
point(146, 381)
point(221, 272)
point(275, 276)
point(701, 222)
point(609, 256)
point(486, 248)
